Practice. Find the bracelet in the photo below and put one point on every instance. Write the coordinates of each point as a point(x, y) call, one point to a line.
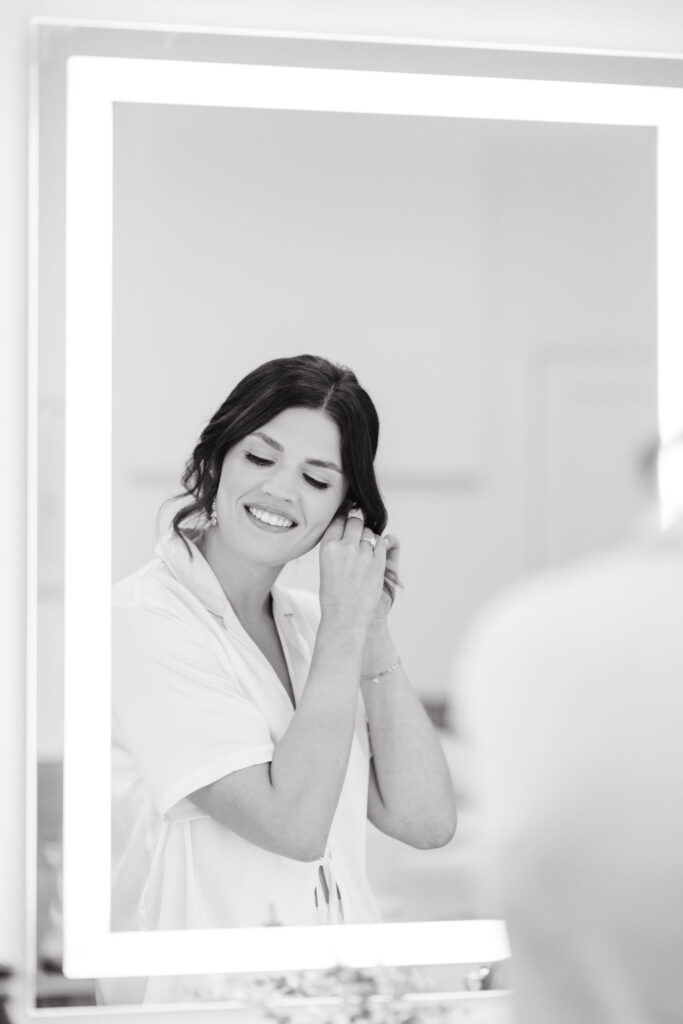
point(376, 676)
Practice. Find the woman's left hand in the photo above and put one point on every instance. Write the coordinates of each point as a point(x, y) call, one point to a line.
point(390, 577)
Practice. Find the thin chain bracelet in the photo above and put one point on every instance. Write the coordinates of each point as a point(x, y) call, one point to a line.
point(376, 676)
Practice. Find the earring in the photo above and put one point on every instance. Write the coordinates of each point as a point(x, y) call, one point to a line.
point(213, 518)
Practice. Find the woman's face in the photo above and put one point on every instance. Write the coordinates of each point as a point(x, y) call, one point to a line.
point(281, 486)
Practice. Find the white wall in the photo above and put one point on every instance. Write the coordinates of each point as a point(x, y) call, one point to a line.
point(636, 25)
point(447, 263)
point(478, 276)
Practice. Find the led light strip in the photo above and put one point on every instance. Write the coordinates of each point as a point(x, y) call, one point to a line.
point(94, 85)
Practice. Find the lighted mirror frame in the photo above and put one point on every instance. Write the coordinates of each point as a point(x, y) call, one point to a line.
point(94, 85)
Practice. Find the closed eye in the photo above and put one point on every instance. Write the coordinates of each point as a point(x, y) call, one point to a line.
point(315, 483)
point(257, 460)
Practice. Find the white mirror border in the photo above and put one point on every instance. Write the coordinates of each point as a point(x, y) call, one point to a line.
point(94, 84)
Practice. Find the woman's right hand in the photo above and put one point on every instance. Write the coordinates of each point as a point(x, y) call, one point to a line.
point(351, 573)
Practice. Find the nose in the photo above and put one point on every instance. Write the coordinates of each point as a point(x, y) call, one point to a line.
point(280, 483)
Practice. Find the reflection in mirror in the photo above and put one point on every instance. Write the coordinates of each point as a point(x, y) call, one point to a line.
point(493, 286)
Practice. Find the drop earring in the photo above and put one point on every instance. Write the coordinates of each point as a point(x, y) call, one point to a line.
point(213, 519)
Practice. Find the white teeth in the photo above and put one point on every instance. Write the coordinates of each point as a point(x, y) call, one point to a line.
point(269, 517)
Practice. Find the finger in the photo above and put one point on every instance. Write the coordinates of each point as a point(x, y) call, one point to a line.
point(369, 538)
point(393, 549)
point(353, 527)
point(335, 531)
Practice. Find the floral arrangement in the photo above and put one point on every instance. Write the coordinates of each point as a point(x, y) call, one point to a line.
point(345, 995)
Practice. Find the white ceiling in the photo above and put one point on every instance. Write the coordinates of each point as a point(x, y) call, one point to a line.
point(632, 25)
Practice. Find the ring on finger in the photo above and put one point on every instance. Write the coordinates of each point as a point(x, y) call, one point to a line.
point(372, 540)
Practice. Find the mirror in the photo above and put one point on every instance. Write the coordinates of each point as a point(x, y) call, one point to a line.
point(492, 281)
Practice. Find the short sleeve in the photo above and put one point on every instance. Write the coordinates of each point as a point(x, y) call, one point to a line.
point(177, 708)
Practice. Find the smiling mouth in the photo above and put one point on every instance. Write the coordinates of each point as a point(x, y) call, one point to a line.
point(270, 520)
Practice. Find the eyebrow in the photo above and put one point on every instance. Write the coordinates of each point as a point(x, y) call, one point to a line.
point(278, 447)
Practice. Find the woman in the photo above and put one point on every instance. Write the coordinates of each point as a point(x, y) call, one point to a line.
point(256, 728)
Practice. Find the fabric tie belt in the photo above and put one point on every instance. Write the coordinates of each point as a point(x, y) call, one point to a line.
point(327, 895)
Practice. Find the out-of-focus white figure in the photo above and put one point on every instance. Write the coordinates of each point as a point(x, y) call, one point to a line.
point(571, 689)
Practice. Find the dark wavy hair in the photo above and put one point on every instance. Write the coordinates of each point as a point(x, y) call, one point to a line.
point(308, 382)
